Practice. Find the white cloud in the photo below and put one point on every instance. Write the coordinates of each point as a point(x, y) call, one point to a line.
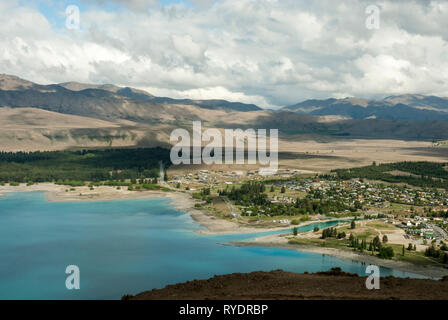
point(186, 47)
point(266, 52)
point(209, 93)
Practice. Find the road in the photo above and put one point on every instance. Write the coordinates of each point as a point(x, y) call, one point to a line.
point(439, 232)
point(232, 208)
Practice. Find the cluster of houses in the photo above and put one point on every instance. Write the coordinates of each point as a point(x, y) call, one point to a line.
point(349, 192)
point(371, 194)
point(423, 233)
point(211, 177)
point(422, 227)
point(206, 177)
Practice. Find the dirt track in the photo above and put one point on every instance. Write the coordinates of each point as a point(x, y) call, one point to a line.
point(291, 286)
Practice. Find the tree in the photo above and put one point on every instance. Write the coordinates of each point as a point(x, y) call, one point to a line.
point(386, 253)
point(316, 228)
point(205, 191)
point(402, 251)
point(385, 239)
point(272, 189)
point(329, 233)
point(433, 252)
point(283, 190)
point(353, 225)
point(295, 231)
point(410, 247)
point(178, 185)
point(445, 258)
point(376, 243)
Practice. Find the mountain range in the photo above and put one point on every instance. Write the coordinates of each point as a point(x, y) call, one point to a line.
point(72, 114)
point(408, 107)
point(100, 101)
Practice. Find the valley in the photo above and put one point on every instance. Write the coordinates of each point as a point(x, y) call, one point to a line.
point(91, 143)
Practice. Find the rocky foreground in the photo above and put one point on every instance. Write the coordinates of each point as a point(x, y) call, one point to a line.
point(280, 285)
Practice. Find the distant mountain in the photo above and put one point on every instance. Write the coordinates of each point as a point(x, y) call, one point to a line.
point(77, 86)
point(408, 107)
point(106, 102)
point(71, 114)
point(9, 82)
point(143, 95)
point(419, 101)
point(293, 123)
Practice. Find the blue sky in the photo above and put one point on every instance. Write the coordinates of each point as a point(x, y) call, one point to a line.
point(53, 9)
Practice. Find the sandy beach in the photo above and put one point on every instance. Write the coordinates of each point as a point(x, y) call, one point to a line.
point(280, 241)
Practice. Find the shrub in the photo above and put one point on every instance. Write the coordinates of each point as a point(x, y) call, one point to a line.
point(197, 195)
point(386, 252)
point(341, 235)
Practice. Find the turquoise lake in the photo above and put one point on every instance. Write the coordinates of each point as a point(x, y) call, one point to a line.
point(125, 247)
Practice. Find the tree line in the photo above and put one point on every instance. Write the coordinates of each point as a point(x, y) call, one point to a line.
point(422, 174)
point(83, 165)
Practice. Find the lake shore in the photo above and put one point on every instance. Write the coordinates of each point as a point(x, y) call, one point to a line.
point(179, 200)
point(280, 241)
point(213, 225)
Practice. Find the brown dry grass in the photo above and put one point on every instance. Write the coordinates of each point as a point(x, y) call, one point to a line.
point(292, 286)
point(30, 129)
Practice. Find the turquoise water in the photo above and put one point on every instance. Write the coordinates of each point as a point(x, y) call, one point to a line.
point(124, 247)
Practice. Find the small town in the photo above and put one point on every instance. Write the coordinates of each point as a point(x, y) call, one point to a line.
point(405, 216)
